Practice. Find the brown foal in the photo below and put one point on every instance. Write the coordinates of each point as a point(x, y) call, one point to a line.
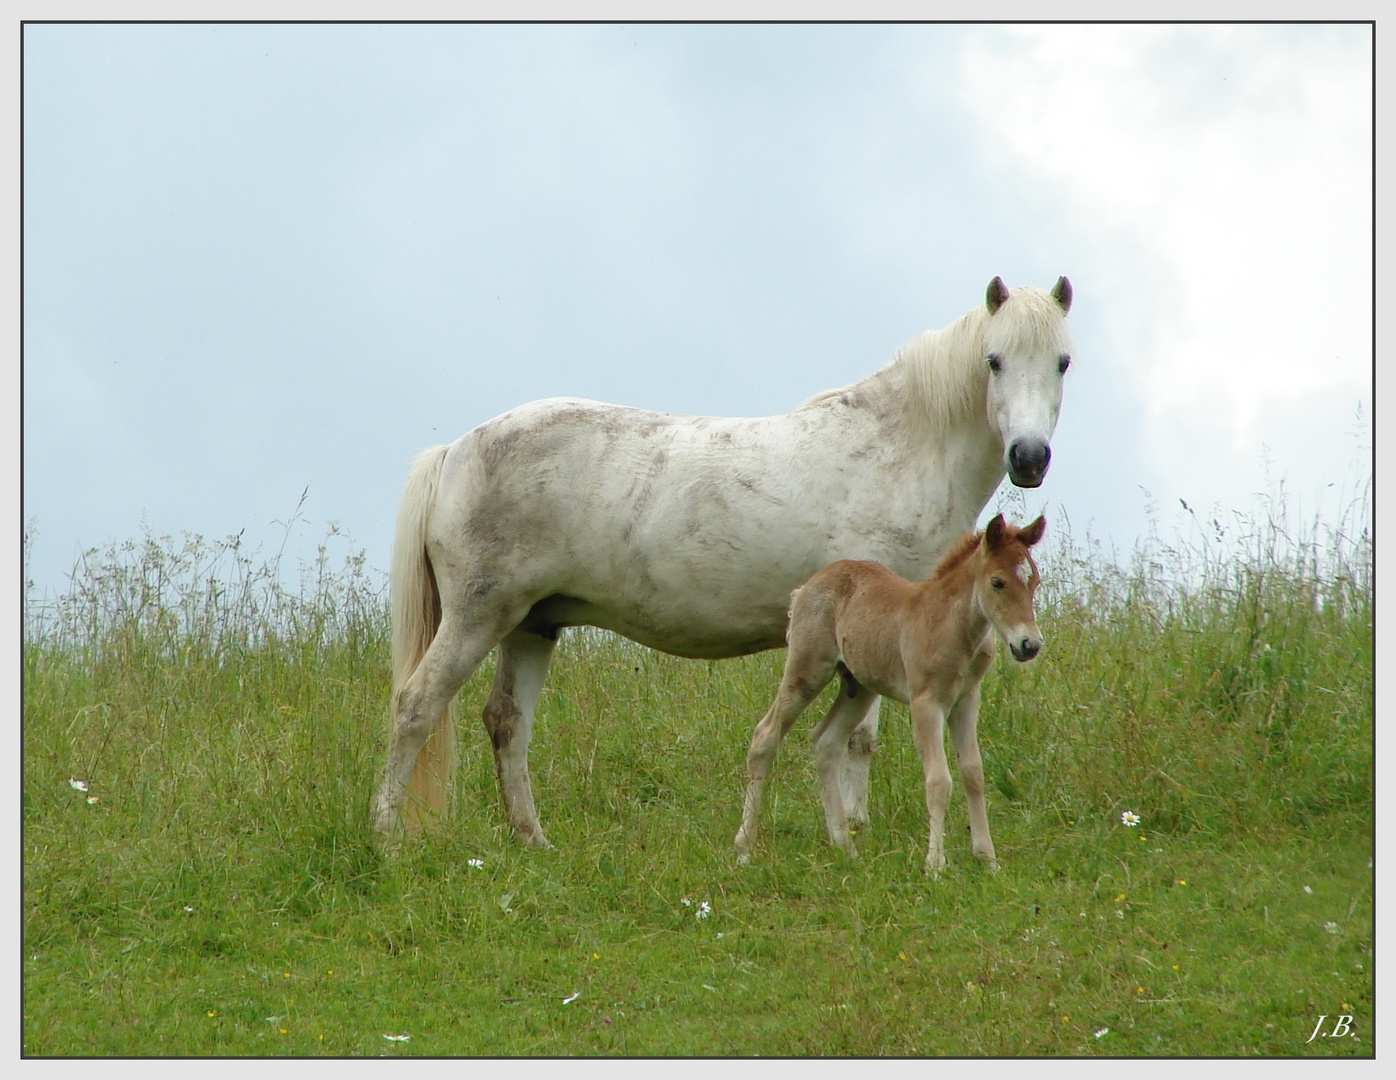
point(926, 644)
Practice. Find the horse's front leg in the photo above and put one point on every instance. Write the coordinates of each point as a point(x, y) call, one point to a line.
point(518, 679)
point(964, 725)
point(928, 726)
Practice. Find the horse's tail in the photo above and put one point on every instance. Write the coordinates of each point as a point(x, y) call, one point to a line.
point(416, 613)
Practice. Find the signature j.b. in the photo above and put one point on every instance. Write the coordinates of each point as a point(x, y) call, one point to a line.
point(1341, 1026)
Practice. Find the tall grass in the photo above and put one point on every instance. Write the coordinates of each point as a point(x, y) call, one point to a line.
point(1226, 676)
point(216, 889)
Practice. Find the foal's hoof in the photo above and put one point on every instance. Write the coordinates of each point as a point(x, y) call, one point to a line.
point(743, 858)
point(935, 864)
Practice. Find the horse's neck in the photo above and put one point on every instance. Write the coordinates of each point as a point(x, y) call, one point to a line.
point(960, 451)
point(906, 485)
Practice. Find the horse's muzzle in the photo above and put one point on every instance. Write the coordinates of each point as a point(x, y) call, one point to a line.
point(1024, 649)
point(1027, 462)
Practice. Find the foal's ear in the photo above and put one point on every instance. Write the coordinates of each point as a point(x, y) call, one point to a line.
point(993, 532)
point(1061, 293)
point(997, 294)
point(1031, 534)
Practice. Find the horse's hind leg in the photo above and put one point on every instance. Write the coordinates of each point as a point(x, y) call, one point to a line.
point(831, 753)
point(518, 679)
point(854, 778)
point(804, 677)
point(450, 659)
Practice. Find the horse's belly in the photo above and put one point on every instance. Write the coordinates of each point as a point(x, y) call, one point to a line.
point(681, 631)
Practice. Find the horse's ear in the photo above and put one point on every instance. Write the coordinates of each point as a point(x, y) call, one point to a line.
point(1061, 293)
point(1031, 534)
point(993, 532)
point(997, 294)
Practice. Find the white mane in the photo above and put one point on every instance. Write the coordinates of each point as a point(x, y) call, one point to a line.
point(945, 370)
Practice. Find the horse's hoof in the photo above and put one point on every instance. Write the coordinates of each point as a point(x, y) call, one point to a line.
point(385, 823)
point(387, 840)
point(743, 858)
point(935, 864)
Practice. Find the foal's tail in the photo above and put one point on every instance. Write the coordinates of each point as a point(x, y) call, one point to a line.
point(790, 610)
point(416, 612)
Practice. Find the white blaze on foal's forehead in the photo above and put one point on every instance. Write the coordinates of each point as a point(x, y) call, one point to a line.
point(1024, 572)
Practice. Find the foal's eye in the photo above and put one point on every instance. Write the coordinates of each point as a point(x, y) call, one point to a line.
point(996, 582)
point(995, 363)
point(1063, 363)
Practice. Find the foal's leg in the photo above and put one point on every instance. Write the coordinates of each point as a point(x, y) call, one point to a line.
point(804, 677)
point(519, 672)
point(964, 725)
point(453, 655)
point(928, 726)
point(854, 780)
point(831, 746)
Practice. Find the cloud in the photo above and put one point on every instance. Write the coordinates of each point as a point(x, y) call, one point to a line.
point(1227, 174)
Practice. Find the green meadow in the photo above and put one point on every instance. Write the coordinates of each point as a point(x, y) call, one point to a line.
point(202, 742)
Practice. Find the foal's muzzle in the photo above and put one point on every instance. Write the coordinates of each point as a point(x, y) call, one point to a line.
point(1027, 462)
point(1024, 649)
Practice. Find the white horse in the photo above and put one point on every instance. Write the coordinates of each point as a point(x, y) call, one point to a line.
point(687, 534)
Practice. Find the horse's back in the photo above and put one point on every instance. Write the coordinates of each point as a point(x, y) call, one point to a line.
point(676, 531)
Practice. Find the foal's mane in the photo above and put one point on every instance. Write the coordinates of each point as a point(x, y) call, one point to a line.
point(961, 550)
point(957, 556)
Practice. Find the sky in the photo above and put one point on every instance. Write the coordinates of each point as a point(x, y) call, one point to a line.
point(267, 260)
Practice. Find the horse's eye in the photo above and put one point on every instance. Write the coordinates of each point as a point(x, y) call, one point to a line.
point(996, 582)
point(995, 363)
point(1063, 364)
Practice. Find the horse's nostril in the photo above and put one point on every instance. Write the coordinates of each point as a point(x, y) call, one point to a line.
point(1027, 462)
point(1029, 457)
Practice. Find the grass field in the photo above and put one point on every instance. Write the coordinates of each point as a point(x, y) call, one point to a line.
point(215, 888)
